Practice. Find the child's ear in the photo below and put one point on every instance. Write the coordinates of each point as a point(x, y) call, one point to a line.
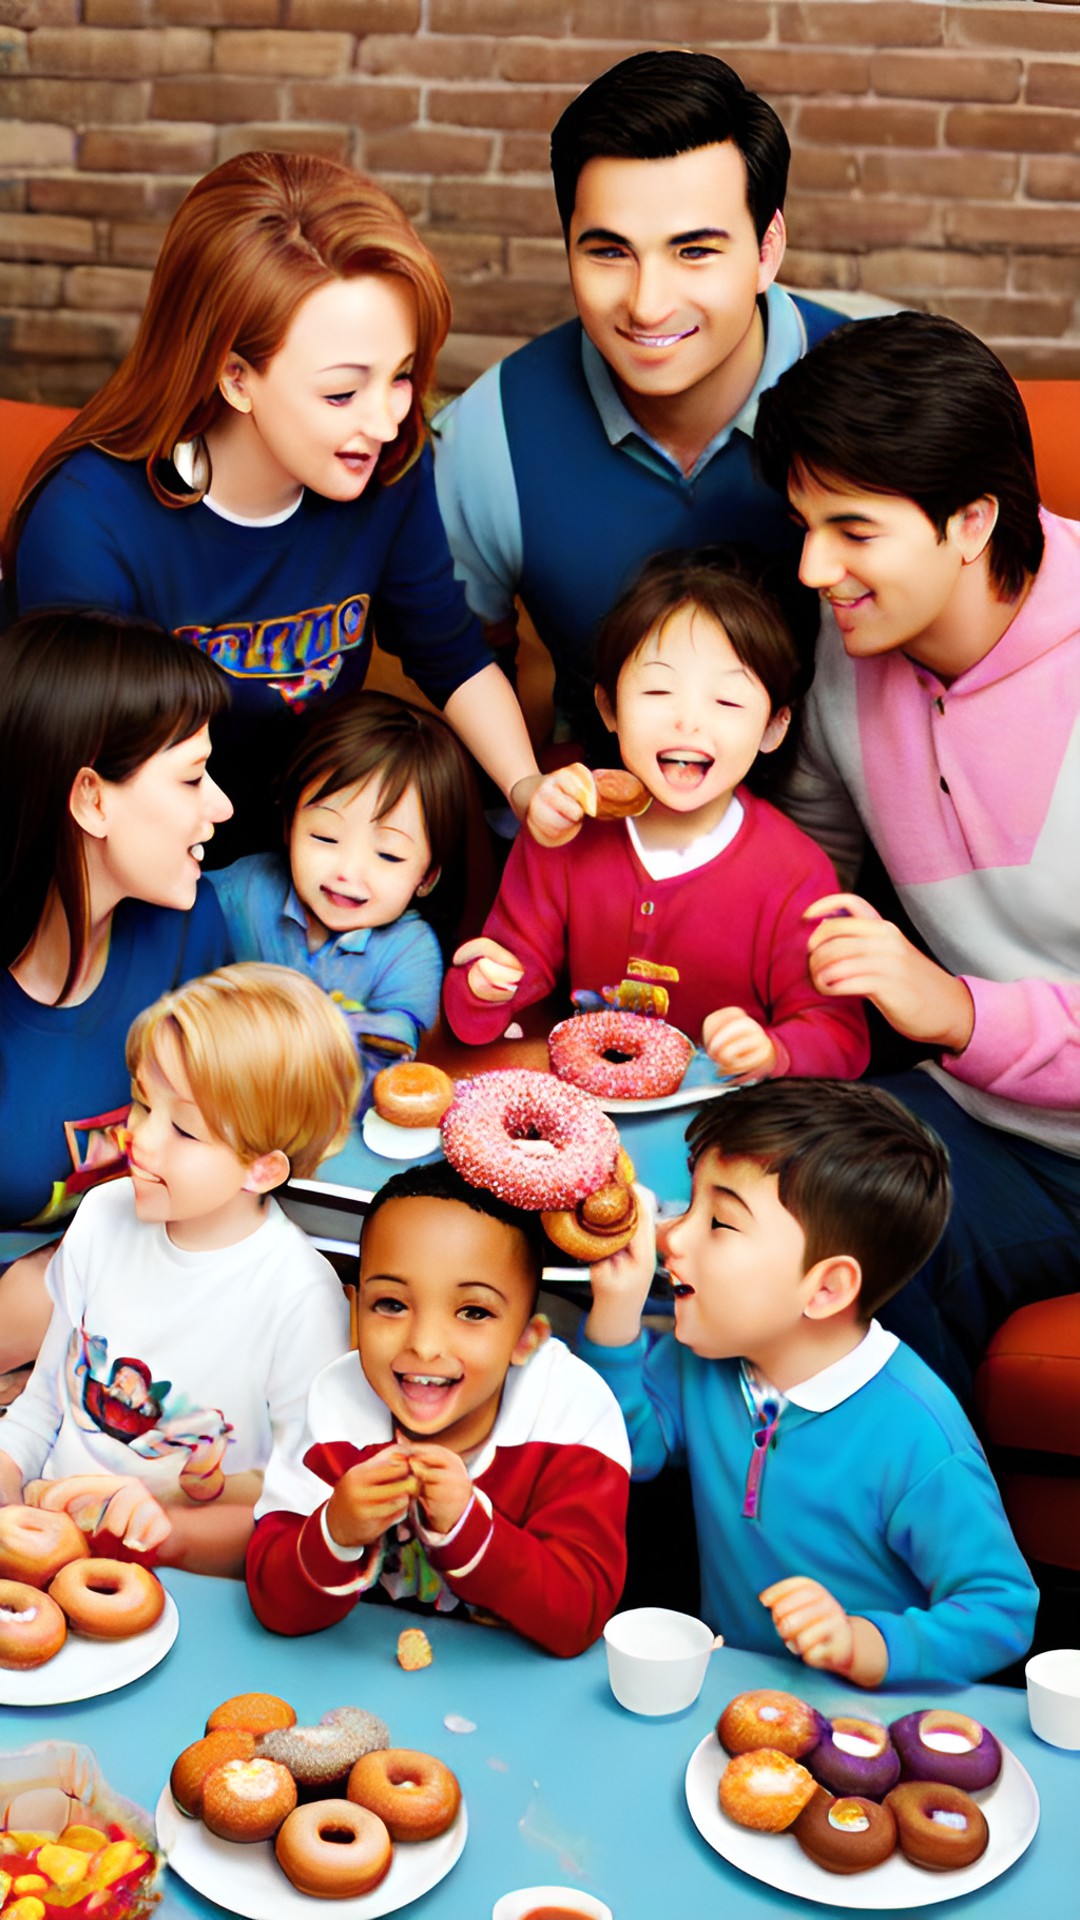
point(831, 1285)
point(973, 525)
point(86, 803)
point(231, 383)
point(270, 1170)
point(532, 1339)
point(604, 708)
point(429, 882)
point(775, 730)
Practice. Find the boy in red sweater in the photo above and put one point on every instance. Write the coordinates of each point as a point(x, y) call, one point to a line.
point(470, 1459)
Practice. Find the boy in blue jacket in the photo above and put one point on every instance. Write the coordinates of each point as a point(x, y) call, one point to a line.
point(843, 1503)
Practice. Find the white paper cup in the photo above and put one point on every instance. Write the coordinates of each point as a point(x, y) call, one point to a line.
point(1053, 1696)
point(515, 1906)
point(657, 1659)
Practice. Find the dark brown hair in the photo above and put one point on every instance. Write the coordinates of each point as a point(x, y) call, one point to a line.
point(860, 1173)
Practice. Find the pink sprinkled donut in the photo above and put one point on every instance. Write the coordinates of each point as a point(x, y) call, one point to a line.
point(620, 1056)
point(529, 1139)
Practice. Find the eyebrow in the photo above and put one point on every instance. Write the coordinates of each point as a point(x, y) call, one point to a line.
point(462, 1286)
point(729, 1193)
point(674, 240)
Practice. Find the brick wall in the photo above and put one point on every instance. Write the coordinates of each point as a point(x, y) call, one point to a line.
point(937, 149)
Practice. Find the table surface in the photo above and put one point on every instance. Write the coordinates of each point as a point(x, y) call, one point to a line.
point(561, 1785)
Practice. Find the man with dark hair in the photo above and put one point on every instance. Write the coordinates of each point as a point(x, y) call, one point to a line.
point(942, 724)
point(627, 431)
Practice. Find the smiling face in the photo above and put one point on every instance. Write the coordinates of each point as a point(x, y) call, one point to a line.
point(446, 1309)
point(691, 718)
point(184, 1178)
point(147, 834)
point(321, 411)
point(352, 868)
point(666, 268)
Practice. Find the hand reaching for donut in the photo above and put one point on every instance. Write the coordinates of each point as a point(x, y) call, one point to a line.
point(738, 1044)
point(106, 1503)
point(813, 1625)
point(371, 1498)
point(621, 1284)
point(495, 973)
point(559, 804)
point(11, 1493)
point(445, 1488)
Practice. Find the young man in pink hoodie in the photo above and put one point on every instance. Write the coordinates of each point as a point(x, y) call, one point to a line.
point(943, 726)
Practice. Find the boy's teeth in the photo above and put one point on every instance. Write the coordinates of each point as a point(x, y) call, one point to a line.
point(196, 851)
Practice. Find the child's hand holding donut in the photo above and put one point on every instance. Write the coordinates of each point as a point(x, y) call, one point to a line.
point(813, 1625)
point(371, 1498)
point(559, 804)
point(106, 1503)
point(621, 1284)
point(495, 974)
point(738, 1044)
point(444, 1486)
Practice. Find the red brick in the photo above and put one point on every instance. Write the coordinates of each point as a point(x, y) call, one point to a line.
point(353, 102)
point(1013, 315)
point(119, 55)
point(135, 243)
point(314, 56)
point(686, 22)
point(108, 289)
point(794, 70)
point(1054, 180)
point(45, 336)
point(170, 149)
point(31, 143)
point(524, 153)
point(121, 196)
point(70, 384)
point(1031, 229)
point(1031, 360)
point(75, 102)
point(1043, 273)
point(517, 108)
point(899, 270)
point(1053, 86)
point(219, 13)
point(1047, 30)
point(41, 236)
point(479, 256)
point(220, 98)
point(574, 62)
point(830, 271)
point(467, 355)
point(823, 170)
point(494, 206)
point(937, 76)
point(26, 286)
point(1025, 130)
point(429, 57)
point(413, 196)
point(355, 16)
point(537, 260)
point(955, 175)
point(915, 24)
point(490, 16)
point(38, 13)
point(501, 306)
point(434, 150)
point(869, 124)
point(819, 220)
point(278, 137)
point(12, 195)
point(14, 57)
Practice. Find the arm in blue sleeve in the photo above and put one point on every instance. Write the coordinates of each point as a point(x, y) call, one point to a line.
point(71, 554)
point(420, 611)
point(645, 1381)
point(478, 498)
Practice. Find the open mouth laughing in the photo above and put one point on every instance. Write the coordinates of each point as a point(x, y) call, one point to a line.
point(655, 340)
point(425, 1394)
point(684, 768)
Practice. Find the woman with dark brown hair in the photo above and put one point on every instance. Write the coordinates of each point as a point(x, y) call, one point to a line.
point(255, 476)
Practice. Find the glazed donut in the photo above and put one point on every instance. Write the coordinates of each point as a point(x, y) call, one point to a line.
point(766, 1790)
point(572, 1232)
point(35, 1544)
point(978, 1765)
point(616, 794)
point(32, 1627)
point(254, 1712)
point(529, 1139)
point(855, 1757)
point(247, 1800)
point(319, 1756)
point(848, 1835)
point(412, 1094)
point(190, 1768)
point(939, 1826)
point(413, 1793)
point(108, 1599)
point(620, 1056)
point(333, 1849)
point(767, 1718)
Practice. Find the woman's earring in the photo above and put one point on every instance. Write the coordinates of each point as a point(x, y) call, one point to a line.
point(427, 886)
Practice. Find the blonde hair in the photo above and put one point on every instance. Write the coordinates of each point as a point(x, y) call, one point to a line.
point(268, 1056)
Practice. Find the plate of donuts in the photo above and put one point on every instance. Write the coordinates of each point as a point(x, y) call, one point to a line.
point(247, 1879)
point(84, 1668)
point(1010, 1805)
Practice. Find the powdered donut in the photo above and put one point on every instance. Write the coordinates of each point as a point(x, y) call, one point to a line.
point(32, 1627)
point(35, 1544)
point(977, 1766)
point(765, 1790)
point(529, 1139)
point(620, 1056)
point(769, 1718)
point(848, 1835)
point(255, 1712)
point(318, 1756)
point(413, 1793)
point(247, 1800)
point(333, 1849)
point(190, 1768)
point(939, 1826)
point(412, 1094)
point(870, 1770)
point(108, 1599)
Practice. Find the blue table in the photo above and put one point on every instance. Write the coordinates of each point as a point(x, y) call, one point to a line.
point(561, 1784)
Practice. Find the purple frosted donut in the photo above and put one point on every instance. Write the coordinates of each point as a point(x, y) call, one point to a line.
point(977, 1766)
point(868, 1775)
point(529, 1138)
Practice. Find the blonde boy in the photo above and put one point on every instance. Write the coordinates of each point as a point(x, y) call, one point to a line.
point(189, 1314)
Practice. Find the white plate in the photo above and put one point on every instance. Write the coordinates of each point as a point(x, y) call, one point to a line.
point(398, 1143)
point(84, 1668)
point(683, 1096)
point(247, 1879)
point(1011, 1807)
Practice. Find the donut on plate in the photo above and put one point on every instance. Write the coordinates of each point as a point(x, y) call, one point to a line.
point(108, 1599)
point(766, 1717)
point(318, 1757)
point(333, 1849)
point(412, 1094)
point(846, 1835)
point(255, 1712)
point(977, 1765)
point(529, 1139)
point(855, 1756)
point(620, 1056)
point(765, 1790)
point(940, 1827)
point(190, 1768)
point(415, 1795)
point(35, 1544)
point(247, 1800)
point(32, 1627)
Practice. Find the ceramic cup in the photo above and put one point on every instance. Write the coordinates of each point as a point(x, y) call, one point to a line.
point(526, 1900)
point(657, 1659)
point(1053, 1696)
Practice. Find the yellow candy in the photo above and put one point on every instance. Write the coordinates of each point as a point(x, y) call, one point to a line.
point(28, 1909)
point(5, 1886)
point(114, 1861)
point(87, 1839)
point(64, 1865)
point(29, 1883)
point(22, 1841)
